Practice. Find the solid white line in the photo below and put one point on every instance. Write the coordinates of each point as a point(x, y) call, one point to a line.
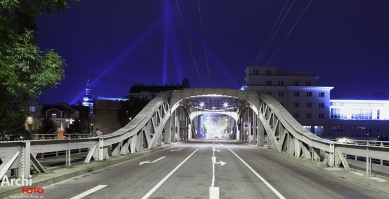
point(166, 177)
point(89, 192)
point(260, 177)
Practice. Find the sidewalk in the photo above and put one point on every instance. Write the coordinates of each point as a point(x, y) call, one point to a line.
point(59, 173)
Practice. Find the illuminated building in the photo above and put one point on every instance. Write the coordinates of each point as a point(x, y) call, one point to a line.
point(311, 105)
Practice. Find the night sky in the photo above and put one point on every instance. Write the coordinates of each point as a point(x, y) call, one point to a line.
point(344, 42)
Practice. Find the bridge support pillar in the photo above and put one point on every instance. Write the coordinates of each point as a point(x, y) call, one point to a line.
point(238, 130)
point(189, 131)
point(168, 131)
point(260, 134)
point(174, 126)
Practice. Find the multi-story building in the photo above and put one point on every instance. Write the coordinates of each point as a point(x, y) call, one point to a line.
point(61, 113)
point(106, 114)
point(311, 104)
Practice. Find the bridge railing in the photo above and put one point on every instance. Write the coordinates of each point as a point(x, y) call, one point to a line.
point(59, 137)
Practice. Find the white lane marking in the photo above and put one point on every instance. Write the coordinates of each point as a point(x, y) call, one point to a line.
point(378, 179)
point(214, 192)
point(360, 174)
point(175, 150)
point(89, 192)
point(166, 177)
point(148, 161)
point(333, 169)
point(260, 177)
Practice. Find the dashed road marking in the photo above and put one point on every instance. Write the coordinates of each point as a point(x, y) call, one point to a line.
point(89, 192)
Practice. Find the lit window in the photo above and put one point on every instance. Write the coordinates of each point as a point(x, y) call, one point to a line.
point(54, 115)
point(32, 109)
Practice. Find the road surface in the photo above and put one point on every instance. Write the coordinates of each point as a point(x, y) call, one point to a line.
point(188, 171)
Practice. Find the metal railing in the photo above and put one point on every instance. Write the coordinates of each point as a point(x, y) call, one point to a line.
point(60, 137)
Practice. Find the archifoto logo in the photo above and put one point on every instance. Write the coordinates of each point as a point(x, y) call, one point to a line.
point(20, 182)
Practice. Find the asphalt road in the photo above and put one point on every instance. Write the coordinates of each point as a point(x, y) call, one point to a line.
point(186, 171)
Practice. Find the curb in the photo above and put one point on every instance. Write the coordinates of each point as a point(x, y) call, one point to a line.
point(99, 166)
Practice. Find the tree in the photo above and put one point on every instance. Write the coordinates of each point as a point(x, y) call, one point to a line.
point(25, 69)
point(77, 127)
point(129, 109)
point(83, 113)
point(47, 126)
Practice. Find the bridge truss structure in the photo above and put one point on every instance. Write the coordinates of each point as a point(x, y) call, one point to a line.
point(169, 118)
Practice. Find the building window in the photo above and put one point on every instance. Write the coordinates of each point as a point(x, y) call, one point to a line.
point(321, 105)
point(321, 115)
point(280, 83)
point(295, 83)
point(54, 115)
point(319, 130)
point(309, 115)
point(281, 94)
point(256, 72)
point(296, 104)
point(337, 131)
point(309, 94)
point(309, 105)
point(296, 115)
point(268, 83)
point(321, 94)
point(307, 83)
point(308, 128)
point(269, 93)
point(268, 72)
point(296, 94)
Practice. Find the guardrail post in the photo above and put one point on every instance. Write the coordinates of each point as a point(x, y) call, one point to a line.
point(368, 163)
point(101, 150)
point(331, 160)
point(25, 162)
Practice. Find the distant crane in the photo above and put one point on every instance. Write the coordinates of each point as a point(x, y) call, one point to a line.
point(120, 81)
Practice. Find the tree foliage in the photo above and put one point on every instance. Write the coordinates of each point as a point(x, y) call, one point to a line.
point(129, 109)
point(26, 70)
point(77, 127)
point(48, 126)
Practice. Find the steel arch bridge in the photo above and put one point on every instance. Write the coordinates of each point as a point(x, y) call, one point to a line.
point(168, 118)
